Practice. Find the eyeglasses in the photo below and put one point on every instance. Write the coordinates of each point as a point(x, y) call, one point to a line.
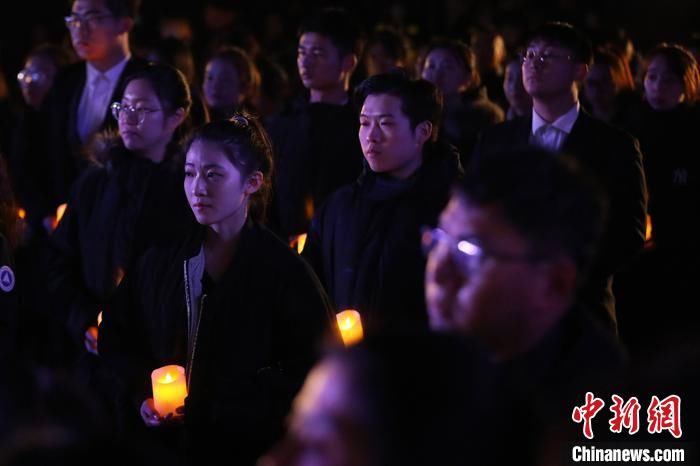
point(26, 76)
point(468, 256)
point(545, 57)
point(133, 115)
point(88, 21)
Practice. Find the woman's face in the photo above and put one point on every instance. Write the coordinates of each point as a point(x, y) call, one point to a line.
point(513, 87)
point(215, 188)
point(444, 70)
point(144, 125)
point(599, 86)
point(662, 87)
point(222, 84)
point(36, 79)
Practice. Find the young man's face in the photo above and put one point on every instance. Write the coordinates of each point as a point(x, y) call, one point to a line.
point(550, 70)
point(388, 143)
point(321, 64)
point(98, 30)
point(485, 297)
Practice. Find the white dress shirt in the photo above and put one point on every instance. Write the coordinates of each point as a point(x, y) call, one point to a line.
point(96, 96)
point(551, 136)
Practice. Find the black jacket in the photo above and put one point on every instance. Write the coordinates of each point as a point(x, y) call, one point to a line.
point(255, 341)
point(9, 304)
point(365, 241)
point(116, 212)
point(614, 159)
point(317, 151)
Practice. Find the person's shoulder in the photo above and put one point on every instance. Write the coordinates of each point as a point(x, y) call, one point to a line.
point(604, 132)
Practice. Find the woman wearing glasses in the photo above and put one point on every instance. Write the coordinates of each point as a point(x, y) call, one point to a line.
point(129, 200)
point(231, 304)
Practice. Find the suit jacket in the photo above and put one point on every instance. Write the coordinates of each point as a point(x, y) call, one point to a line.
point(64, 149)
point(615, 160)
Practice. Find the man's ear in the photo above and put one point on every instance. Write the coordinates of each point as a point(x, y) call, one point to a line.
point(580, 72)
point(423, 132)
point(126, 24)
point(558, 287)
point(254, 182)
point(348, 63)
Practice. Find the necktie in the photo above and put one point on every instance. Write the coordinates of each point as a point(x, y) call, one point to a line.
point(96, 107)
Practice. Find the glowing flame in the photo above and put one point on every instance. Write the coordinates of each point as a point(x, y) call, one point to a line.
point(99, 319)
point(649, 228)
point(60, 210)
point(21, 213)
point(347, 323)
point(301, 242)
point(167, 379)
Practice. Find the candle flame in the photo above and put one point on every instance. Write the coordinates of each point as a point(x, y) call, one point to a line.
point(99, 319)
point(347, 323)
point(649, 228)
point(301, 243)
point(21, 213)
point(167, 379)
point(60, 210)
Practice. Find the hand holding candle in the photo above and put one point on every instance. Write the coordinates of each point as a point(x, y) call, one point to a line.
point(350, 326)
point(169, 389)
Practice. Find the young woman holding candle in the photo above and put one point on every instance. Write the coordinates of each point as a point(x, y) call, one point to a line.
point(127, 202)
point(232, 304)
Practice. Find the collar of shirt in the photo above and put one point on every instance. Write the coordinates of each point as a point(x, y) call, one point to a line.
point(564, 123)
point(111, 74)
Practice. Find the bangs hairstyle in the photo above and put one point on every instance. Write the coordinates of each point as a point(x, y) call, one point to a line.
point(248, 73)
point(246, 144)
point(338, 26)
point(464, 54)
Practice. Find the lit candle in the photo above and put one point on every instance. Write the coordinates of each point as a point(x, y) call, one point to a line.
point(350, 326)
point(169, 388)
point(99, 319)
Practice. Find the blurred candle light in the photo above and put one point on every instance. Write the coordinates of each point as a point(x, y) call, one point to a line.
point(169, 388)
point(99, 319)
point(21, 213)
point(350, 325)
point(649, 229)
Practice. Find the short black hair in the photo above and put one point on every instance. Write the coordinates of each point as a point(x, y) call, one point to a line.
point(120, 8)
point(420, 99)
point(565, 35)
point(337, 25)
point(547, 197)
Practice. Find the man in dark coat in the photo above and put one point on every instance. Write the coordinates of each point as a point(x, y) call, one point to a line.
point(556, 59)
point(78, 104)
point(315, 141)
point(365, 241)
point(515, 242)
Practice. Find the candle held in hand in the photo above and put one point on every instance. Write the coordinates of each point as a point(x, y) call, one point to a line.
point(350, 326)
point(169, 388)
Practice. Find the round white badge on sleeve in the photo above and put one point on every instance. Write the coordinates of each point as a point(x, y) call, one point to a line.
point(7, 279)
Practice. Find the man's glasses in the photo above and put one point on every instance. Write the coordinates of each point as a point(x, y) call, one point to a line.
point(26, 77)
point(131, 114)
point(545, 57)
point(89, 21)
point(468, 256)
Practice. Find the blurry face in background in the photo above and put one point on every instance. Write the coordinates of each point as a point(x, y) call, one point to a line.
point(662, 87)
point(599, 86)
point(37, 78)
point(378, 61)
point(445, 71)
point(99, 34)
point(323, 428)
point(222, 85)
point(514, 89)
point(320, 63)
